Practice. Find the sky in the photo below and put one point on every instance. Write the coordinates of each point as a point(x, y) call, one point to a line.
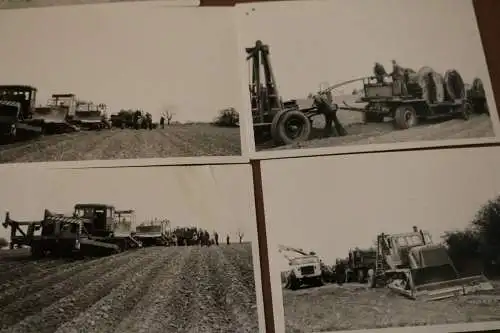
point(312, 42)
point(332, 204)
point(128, 55)
point(204, 196)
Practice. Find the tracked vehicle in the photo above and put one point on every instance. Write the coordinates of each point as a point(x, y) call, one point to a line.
point(92, 230)
point(153, 234)
point(413, 266)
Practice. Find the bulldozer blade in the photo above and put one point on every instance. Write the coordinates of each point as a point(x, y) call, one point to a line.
point(451, 288)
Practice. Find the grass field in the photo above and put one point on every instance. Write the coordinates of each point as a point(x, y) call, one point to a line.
point(355, 306)
point(159, 289)
point(173, 141)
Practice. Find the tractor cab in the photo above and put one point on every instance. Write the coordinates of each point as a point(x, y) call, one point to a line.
point(398, 246)
point(124, 219)
point(24, 95)
point(65, 101)
point(101, 218)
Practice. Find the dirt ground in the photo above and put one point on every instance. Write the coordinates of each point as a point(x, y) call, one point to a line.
point(160, 289)
point(359, 133)
point(355, 306)
point(173, 141)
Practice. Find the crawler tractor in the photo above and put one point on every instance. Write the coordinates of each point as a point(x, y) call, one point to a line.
point(153, 234)
point(412, 265)
point(19, 116)
point(93, 229)
point(305, 268)
point(90, 116)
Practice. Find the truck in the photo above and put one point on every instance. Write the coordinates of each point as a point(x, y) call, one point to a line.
point(304, 268)
point(412, 265)
point(92, 230)
point(429, 95)
point(358, 264)
point(90, 116)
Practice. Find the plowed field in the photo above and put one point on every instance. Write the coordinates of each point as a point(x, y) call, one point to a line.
point(161, 289)
point(173, 141)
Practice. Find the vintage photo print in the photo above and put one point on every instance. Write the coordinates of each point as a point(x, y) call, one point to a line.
point(363, 76)
point(19, 4)
point(112, 82)
point(129, 250)
point(379, 241)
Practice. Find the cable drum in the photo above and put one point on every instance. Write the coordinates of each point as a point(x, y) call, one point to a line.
point(431, 83)
point(454, 85)
point(477, 89)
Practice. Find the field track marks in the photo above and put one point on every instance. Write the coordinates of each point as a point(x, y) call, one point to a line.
point(79, 296)
point(238, 299)
point(32, 304)
point(241, 257)
point(26, 286)
point(25, 270)
point(107, 313)
point(158, 307)
point(202, 311)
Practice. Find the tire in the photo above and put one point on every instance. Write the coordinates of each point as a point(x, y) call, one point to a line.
point(294, 282)
point(292, 127)
point(405, 117)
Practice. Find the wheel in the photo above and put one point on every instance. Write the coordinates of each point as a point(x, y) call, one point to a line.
point(405, 117)
point(122, 126)
point(294, 282)
point(372, 117)
point(466, 111)
point(319, 282)
point(291, 127)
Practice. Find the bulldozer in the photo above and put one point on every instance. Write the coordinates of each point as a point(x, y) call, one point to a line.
point(90, 116)
point(412, 265)
point(153, 234)
point(20, 117)
point(92, 230)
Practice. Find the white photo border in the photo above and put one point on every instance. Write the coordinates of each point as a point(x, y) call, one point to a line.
point(244, 8)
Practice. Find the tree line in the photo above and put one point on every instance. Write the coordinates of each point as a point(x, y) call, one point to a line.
point(477, 247)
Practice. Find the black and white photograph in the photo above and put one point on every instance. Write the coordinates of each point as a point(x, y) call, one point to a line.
point(342, 75)
point(86, 251)
point(118, 81)
point(19, 4)
point(379, 241)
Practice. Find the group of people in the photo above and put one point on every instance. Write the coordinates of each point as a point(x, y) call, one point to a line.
point(197, 238)
point(399, 75)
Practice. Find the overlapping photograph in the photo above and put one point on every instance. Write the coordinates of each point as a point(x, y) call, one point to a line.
point(363, 75)
point(86, 251)
point(384, 241)
point(118, 81)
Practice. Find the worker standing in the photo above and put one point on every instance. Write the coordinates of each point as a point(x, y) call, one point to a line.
point(216, 238)
point(379, 72)
point(325, 107)
point(162, 122)
point(399, 86)
point(340, 272)
point(227, 239)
